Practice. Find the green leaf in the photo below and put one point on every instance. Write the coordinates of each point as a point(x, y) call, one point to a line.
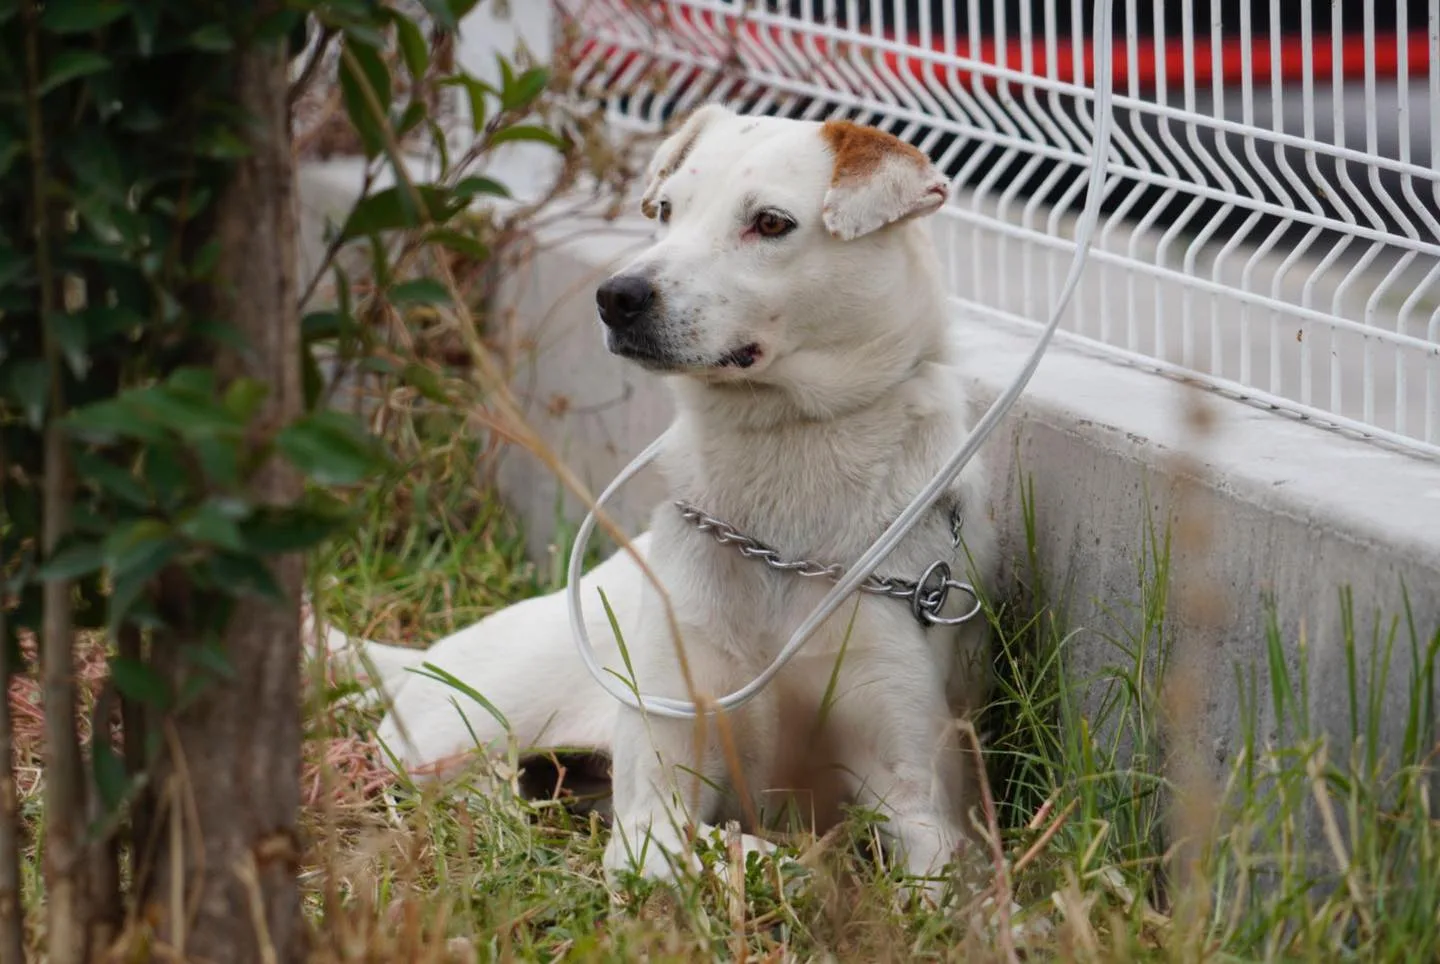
point(220, 142)
point(192, 378)
point(220, 332)
point(426, 382)
point(111, 479)
point(520, 93)
point(71, 561)
point(78, 16)
point(11, 149)
point(311, 379)
point(213, 523)
point(420, 291)
point(204, 260)
point(188, 409)
point(27, 381)
point(147, 25)
point(13, 265)
point(133, 542)
point(244, 397)
point(459, 8)
point(95, 166)
point(394, 209)
point(459, 242)
point(412, 45)
point(414, 113)
point(112, 780)
point(320, 325)
point(330, 448)
point(293, 529)
point(166, 471)
point(69, 332)
point(362, 73)
point(294, 24)
point(219, 459)
point(212, 38)
point(139, 682)
point(454, 682)
point(442, 13)
point(71, 64)
point(471, 187)
point(129, 585)
point(241, 575)
point(527, 132)
point(475, 93)
point(110, 419)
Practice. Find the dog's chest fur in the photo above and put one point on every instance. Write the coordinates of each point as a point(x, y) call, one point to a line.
point(855, 474)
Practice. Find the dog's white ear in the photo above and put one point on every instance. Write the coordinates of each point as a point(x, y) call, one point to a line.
point(672, 152)
point(878, 179)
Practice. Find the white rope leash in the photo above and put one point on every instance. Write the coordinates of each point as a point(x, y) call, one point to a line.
point(906, 520)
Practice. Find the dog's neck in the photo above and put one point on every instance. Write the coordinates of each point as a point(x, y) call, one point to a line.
point(833, 390)
point(860, 460)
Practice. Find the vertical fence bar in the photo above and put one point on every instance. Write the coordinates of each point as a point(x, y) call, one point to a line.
point(1307, 100)
point(1402, 92)
point(1337, 92)
point(1161, 88)
point(1187, 42)
point(1372, 144)
point(1432, 331)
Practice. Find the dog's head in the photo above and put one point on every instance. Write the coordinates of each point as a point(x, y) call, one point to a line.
point(783, 246)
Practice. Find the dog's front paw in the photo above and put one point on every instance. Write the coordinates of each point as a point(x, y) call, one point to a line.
point(661, 855)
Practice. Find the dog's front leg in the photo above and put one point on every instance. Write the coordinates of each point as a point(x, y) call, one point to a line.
point(901, 749)
point(660, 791)
point(672, 777)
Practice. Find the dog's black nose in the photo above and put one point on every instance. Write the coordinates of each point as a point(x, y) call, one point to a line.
point(623, 299)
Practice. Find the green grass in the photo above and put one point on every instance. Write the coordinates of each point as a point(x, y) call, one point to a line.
point(1319, 847)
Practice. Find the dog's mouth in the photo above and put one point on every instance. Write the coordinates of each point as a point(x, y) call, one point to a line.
point(741, 357)
point(640, 350)
point(649, 355)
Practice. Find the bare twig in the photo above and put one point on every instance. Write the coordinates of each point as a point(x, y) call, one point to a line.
point(64, 797)
point(1315, 769)
point(134, 730)
point(102, 854)
point(12, 917)
point(735, 889)
point(1039, 845)
point(1001, 886)
point(307, 74)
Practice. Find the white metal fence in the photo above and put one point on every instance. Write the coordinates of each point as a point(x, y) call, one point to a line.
point(1272, 220)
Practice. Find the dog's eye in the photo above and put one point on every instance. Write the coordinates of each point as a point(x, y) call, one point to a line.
point(769, 224)
point(664, 212)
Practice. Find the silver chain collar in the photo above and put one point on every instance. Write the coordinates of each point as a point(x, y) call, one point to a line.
point(926, 595)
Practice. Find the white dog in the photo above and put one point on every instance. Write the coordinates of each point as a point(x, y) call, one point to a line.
point(794, 303)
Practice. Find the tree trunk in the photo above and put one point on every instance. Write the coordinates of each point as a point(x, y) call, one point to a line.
point(224, 879)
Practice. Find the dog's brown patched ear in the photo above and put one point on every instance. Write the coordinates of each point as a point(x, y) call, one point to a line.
point(672, 153)
point(878, 179)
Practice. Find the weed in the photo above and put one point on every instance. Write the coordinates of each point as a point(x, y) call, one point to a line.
point(1325, 843)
